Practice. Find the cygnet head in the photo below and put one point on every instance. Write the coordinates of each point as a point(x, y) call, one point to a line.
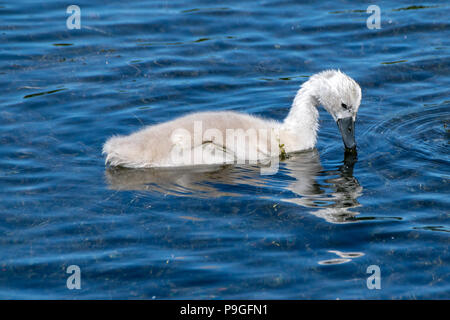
point(340, 95)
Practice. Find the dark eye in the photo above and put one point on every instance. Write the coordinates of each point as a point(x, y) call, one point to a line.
point(343, 105)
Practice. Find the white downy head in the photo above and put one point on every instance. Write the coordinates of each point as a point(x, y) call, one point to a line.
point(339, 94)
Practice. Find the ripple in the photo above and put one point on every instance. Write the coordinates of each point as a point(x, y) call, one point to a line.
point(420, 131)
point(433, 228)
point(334, 261)
point(344, 257)
point(43, 93)
point(349, 255)
point(394, 62)
point(415, 8)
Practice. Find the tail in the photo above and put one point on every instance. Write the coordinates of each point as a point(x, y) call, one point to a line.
point(120, 152)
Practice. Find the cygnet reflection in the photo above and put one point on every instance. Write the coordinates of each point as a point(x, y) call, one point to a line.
point(330, 194)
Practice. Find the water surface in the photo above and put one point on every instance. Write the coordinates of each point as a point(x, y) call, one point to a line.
point(310, 231)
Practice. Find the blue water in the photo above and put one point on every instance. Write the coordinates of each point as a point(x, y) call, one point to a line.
point(308, 232)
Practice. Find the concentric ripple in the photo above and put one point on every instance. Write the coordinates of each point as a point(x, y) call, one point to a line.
point(423, 131)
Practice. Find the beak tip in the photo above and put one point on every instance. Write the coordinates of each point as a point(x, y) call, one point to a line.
point(347, 128)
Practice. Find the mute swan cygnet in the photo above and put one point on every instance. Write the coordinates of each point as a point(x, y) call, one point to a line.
point(164, 144)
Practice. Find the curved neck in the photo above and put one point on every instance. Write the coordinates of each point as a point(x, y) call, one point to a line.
point(303, 118)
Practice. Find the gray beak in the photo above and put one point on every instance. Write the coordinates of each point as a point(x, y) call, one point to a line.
point(347, 128)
